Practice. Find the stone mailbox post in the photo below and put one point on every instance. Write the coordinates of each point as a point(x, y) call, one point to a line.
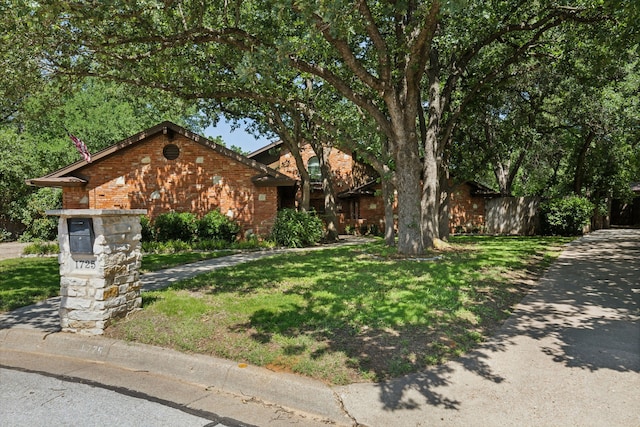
point(99, 266)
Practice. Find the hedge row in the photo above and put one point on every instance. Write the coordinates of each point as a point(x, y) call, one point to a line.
point(291, 228)
point(187, 227)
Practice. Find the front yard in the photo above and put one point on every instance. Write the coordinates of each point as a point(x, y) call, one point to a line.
point(346, 314)
point(25, 281)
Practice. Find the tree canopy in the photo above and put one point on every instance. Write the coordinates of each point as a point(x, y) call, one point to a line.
point(426, 76)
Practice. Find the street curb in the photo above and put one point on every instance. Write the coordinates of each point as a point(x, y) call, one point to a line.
point(286, 390)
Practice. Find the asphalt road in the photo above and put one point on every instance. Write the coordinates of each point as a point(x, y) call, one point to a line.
point(31, 399)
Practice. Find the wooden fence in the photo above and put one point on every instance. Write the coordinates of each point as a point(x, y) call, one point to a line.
point(512, 215)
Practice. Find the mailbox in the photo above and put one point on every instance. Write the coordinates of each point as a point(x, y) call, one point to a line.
point(80, 235)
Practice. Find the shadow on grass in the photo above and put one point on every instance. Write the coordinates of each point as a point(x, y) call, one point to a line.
point(588, 302)
point(388, 316)
point(393, 317)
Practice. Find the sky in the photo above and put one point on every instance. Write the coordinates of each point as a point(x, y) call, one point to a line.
point(238, 137)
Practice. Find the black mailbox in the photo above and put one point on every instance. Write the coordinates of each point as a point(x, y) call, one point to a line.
point(80, 235)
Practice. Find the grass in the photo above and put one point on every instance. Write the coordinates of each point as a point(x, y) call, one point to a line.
point(25, 281)
point(346, 314)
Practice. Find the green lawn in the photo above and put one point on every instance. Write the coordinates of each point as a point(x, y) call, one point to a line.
point(349, 313)
point(340, 314)
point(25, 281)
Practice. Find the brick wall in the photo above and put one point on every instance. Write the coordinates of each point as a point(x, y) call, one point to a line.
point(198, 181)
point(466, 212)
point(342, 166)
point(362, 211)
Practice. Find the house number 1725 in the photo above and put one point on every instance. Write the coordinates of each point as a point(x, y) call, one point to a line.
point(86, 264)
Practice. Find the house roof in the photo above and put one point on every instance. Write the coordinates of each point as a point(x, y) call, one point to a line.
point(265, 154)
point(265, 148)
point(478, 189)
point(366, 189)
point(70, 176)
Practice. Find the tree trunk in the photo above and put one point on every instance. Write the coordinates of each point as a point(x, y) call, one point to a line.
point(305, 180)
point(305, 190)
point(408, 186)
point(387, 182)
point(501, 172)
point(430, 200)
point(582, 155)
point(330, 216)
point(389, 198)
point(292, 139)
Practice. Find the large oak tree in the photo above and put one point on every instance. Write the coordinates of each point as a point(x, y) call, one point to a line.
point(412, 67)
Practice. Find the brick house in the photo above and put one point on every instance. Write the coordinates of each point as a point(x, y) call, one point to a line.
point(467, 208)
point(359, 202)
point(167, 168)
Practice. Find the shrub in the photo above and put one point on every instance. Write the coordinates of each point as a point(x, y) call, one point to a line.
point(5, 235)
point(215, 226)
point(297, 229)
point(370, 230)
point(210, 245)
point(176, 226)
point(566, 217)
point(41, 248)
point(166, 247)
point(148, 233)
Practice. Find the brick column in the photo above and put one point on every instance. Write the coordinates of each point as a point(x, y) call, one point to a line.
point(99, 267)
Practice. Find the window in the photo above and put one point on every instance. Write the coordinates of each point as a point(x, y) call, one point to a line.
point(171, 152)
point(313, 166)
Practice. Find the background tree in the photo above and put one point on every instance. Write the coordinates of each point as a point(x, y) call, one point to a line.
point(566, 125)
point(34, 138)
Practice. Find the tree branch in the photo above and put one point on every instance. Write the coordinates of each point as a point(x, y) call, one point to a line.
point(378, 41)
point(347, 55)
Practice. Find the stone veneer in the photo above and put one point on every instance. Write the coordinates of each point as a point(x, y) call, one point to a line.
point(98, 287)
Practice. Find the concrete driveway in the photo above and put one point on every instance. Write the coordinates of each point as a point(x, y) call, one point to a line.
point(11, 250)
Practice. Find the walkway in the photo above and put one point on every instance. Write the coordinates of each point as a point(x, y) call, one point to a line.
point(10, 250)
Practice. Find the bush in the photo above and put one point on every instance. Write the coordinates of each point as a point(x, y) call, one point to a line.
point(41, 248)
point(566, 217)
point(5, 235)
point(215, 226)
point(166, 247)
point(370, 230)
point(148, 233)
point(297, 229)
point(176, 226)
point(210, 245)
